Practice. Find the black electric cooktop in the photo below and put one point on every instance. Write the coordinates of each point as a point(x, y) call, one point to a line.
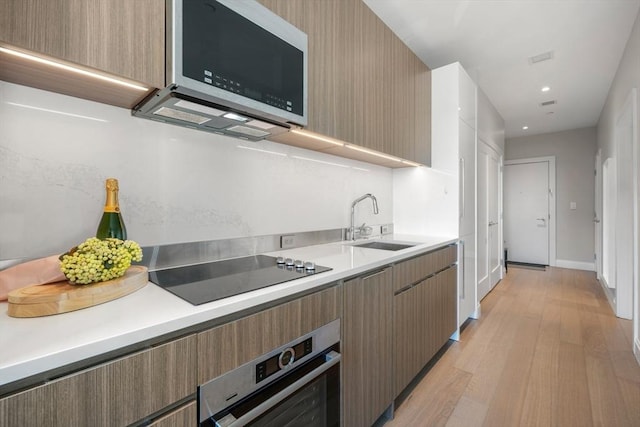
point(202, 283)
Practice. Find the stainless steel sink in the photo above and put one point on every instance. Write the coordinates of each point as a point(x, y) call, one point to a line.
point(385, 246)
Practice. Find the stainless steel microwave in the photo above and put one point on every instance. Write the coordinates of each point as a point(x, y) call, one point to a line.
point(235, 57)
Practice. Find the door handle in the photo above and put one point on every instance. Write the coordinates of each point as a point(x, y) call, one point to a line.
point(492, 223)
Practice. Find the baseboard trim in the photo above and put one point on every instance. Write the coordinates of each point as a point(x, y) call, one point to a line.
point(576, 265)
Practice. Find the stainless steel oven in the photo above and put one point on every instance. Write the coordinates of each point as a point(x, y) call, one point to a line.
point(297, 384)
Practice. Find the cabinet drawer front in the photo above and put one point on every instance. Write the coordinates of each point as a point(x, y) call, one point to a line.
point(411, 271)
point(228, 346)
point(114, 394)
point(185, 416)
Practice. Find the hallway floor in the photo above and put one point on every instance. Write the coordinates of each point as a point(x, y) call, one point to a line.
point(547, 351)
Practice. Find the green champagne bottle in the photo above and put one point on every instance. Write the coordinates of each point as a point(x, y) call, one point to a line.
point(111, 224)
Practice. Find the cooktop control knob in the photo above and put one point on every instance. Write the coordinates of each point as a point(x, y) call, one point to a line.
point(288, 261)
point(298, 263)
point(310, 265)
point(280, 260)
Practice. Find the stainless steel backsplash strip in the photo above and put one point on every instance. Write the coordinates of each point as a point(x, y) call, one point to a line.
point(178, 254)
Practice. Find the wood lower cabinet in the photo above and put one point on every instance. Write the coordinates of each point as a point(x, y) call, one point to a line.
point(413, 270)
point(228, 346)
point(185, 416)
point(424, 313)
point(116, 393)
point(366, 347)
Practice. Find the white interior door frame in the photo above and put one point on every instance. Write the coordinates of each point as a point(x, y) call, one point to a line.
point(551, 160)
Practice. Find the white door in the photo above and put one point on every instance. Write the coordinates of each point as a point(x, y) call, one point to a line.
point(624, 229)
point(494, 179)
point(526, 212)
point(609, 222)
point(597, 216)
point(484, 285)
point(488, 227)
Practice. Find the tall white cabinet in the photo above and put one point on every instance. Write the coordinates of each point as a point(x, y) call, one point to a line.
point(454, 150)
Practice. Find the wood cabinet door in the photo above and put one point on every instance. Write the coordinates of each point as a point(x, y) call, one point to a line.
point(366, 347)
point(406, 357)
point(113, 394)
point(424, 317)
point(122, 37)
point(365, 86)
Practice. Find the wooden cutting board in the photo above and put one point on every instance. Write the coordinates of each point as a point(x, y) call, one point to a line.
point(61, 297)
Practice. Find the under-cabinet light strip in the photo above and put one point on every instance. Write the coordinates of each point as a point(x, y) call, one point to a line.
point(410, 163)
point(353, 147)
point(72, 69)
point(373, 153)
point(318, 137)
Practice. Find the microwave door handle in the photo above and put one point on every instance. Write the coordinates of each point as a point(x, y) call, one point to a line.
point(332, 358)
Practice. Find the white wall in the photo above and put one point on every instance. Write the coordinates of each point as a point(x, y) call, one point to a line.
point(176, 184)
point(575, 161)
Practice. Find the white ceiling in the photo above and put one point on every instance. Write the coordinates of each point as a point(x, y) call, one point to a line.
point(493, 41)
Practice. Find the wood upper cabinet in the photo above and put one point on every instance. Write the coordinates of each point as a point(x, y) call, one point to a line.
point(122, 37)
point(366, 347)
point(116, 393)
point(365, 86)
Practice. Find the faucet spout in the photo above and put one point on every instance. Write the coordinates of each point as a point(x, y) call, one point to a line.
point(352, 230)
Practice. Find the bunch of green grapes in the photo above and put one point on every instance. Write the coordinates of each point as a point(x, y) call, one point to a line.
point(98, 260)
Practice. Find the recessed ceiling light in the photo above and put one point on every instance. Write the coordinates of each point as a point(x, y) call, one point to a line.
point(545, 88)
point(525, 127)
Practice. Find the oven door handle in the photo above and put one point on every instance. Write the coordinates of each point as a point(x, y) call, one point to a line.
point(332, 358)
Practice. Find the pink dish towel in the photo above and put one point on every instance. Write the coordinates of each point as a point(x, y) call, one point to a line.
point(36, 272)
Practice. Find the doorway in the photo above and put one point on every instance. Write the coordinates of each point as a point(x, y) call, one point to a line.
point(529, 210)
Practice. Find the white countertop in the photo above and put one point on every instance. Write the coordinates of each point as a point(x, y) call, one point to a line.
point(32, 346)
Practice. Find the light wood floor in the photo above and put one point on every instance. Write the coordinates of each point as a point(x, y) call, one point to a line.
point(547, 351)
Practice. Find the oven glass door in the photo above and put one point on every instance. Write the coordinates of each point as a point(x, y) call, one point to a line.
point(314, 403)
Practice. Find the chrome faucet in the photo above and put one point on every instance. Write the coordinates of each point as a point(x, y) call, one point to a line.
point(352, 231)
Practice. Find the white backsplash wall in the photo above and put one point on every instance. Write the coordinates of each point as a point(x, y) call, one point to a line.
point(425, 202)
point(176, 184)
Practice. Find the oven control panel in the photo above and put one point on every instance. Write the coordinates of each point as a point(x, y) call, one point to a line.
point(286, 358)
